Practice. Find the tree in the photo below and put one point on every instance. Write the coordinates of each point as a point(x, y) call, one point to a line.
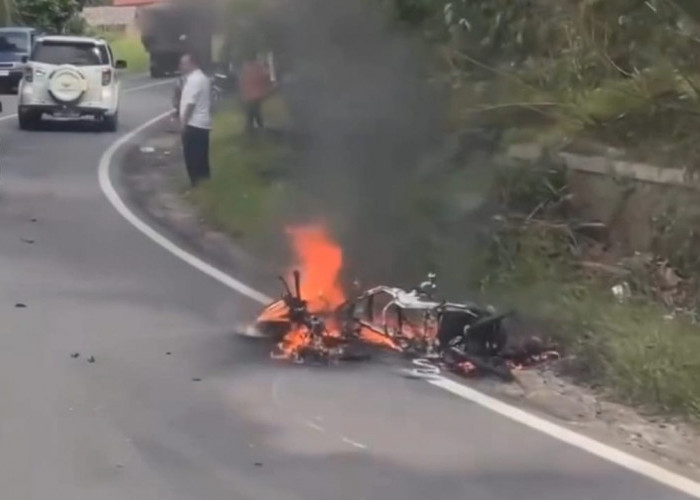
point(6, 11)
point(47, 15)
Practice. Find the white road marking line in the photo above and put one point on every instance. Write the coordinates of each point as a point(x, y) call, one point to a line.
point(147, 86)
point(354, 443)
point(314, 426)
point(571, 437)
point(568, 436)
point(116, 201)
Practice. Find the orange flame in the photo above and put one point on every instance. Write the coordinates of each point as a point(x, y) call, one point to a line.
point(373, 336)
point(320, 260)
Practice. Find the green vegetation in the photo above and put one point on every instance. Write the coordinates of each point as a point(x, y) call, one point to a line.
point(51, 16)
point(130, 49)
point(623, 72)
point(633, 347)
point(246, 173)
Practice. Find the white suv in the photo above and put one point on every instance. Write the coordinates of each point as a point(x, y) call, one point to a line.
point(70, 77)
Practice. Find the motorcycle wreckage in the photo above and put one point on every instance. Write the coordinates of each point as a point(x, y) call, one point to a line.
point(412, 322)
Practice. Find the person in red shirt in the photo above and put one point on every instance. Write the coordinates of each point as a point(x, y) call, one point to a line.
point(255, 85)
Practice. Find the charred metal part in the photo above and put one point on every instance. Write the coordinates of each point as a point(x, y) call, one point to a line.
point(474, 329)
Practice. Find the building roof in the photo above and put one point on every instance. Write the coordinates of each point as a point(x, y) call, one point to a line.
point(109, 15)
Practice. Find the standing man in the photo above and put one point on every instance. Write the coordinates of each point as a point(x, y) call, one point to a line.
point(255, 86)
point(194, 112)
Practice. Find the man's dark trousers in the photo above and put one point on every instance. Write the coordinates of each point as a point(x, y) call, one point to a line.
point(254, 118)
point(195, 145)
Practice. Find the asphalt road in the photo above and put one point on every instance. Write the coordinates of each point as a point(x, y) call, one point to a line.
point(135, 425)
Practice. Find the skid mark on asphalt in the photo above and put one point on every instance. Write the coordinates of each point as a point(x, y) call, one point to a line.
point(558, 432)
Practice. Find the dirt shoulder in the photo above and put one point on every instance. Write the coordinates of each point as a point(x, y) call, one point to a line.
point(153, 175)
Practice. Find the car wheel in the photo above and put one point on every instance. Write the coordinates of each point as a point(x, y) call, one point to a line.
point(111, 122)
point(28, 120)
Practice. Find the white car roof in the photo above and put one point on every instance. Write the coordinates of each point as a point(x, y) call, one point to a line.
point(71, 39)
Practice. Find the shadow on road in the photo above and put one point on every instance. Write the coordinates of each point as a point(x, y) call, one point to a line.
point(57, 125)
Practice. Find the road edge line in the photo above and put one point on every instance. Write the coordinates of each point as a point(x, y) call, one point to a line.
point(571, 437)
point(611, 454)
point(111, 193)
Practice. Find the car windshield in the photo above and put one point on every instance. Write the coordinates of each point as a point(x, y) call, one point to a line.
point(14, 41)
point(77, 54)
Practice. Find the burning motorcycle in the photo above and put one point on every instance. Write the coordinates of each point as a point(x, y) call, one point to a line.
point(412, 322)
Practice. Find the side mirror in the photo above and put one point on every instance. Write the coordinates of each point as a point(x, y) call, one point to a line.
point(0, 107)
point(25, 59)
point(120, 64)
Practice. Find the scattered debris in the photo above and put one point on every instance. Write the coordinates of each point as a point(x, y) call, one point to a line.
point(196, 379)
point(20, 305)
point(147, 149)
point(75, 355)
point(91, 359)
point(168, 353)
point(258, 464)
point(27, 241)
point(33, 219)
point(622, 291)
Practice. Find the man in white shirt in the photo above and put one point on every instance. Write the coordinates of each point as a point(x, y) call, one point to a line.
point(194, 114)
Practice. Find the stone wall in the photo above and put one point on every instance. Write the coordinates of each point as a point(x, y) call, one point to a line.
point(627, 196)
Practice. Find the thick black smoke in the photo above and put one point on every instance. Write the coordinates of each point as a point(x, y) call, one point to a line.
point(360, 95)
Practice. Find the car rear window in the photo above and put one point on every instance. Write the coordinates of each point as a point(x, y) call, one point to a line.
point(77, 54)
point(14, 41)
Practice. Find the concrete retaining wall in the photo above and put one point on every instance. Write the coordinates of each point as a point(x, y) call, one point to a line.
point(627, 196)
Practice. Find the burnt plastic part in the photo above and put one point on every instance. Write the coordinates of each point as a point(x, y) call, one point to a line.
point(492, 365)
point(477, 332)
point(486, 336)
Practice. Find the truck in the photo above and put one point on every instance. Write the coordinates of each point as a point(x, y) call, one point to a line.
point(169, 28)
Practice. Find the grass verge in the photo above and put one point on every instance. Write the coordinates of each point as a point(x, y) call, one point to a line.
point(130, 49)
point(632, 350)
point(247, 174)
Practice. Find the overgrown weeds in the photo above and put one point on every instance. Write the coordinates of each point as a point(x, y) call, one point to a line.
point(248, 189)
point(621, 72)
point(630, 344)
